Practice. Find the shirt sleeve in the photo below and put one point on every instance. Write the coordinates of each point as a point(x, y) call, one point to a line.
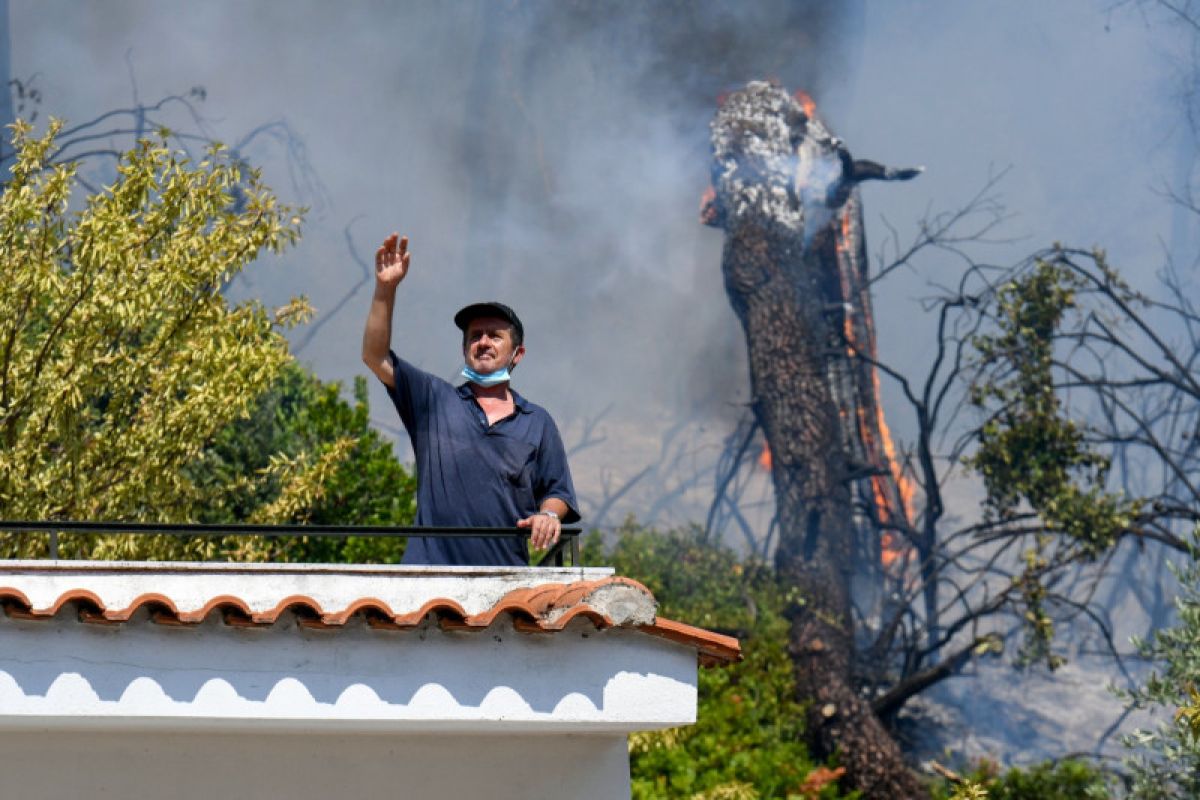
point(413, 393)
point(553, 477)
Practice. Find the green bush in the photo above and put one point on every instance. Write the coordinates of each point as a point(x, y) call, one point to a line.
point(747, 741)
point(300, 413)
point(1069, 779)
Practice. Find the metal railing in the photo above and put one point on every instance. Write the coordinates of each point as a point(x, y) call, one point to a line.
point(569, 539)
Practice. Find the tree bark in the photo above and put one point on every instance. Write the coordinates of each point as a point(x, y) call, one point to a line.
point(782, 188)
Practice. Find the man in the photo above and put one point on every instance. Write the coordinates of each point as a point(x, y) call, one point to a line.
point(486, 457)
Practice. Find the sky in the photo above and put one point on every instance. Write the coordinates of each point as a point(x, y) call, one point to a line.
point(552, 155)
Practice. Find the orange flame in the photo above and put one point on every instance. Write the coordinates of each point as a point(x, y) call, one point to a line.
point(847, 231)
point(893, 548)
point(806, 101)
point(708, 206)
point(889, 550)
point(843, 247)
point(903, 483)
point(764, 458)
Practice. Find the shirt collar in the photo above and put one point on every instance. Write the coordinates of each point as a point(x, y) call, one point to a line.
point(519, 402)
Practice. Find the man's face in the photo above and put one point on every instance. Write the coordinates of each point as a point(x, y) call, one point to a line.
point(489, 345)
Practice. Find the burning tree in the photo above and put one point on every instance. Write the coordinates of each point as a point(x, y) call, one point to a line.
point(1083, 432)
point(795, 272)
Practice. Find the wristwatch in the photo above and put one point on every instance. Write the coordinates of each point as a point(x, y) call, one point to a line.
point(548, 513)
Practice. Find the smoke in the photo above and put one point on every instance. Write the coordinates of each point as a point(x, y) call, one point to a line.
point(584, 144)
point(552, 155)
point(548, 154)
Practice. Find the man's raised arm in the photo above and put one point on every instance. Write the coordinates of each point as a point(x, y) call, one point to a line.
point(391, 265)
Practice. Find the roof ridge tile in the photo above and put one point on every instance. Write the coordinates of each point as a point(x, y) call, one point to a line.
point(611, 601)
point(149, 598)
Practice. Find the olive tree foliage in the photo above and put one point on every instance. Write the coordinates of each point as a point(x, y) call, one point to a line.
point(1038, 374)
point(1164, 761)
point(120, 357)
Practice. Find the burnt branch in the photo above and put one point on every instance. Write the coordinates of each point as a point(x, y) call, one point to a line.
point(889, 704)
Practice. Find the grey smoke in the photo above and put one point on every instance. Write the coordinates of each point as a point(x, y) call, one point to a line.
point(553, 154)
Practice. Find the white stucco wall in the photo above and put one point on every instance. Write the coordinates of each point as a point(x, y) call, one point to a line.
point(64, 765)
point(140, 674)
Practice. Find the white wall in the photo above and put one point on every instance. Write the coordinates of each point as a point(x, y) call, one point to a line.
point(138, 709)
point(97, 766)
point(138, 674)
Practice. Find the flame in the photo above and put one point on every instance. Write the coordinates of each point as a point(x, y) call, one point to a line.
point(893, 549)
point(708, 206)
point(764, 458)
point(847, 232)
point(806, 101)
point(843, 247)
point(890, 550)
point(903, 483)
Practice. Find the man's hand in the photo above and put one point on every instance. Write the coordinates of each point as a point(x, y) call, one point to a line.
point(391, 265)
point(391, 261)
point(545, 529)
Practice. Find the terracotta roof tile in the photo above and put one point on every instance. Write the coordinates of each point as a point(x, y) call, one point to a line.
point(227, 604)
point(543, 609)
point(712, 648)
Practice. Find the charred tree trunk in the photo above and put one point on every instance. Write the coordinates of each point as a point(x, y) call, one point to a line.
point(782, 184)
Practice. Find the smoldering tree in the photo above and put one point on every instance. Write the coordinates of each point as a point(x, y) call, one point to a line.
point(1052, 381)
point(781, 180)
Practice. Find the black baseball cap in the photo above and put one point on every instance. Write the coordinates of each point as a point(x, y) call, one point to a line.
point(491, 309)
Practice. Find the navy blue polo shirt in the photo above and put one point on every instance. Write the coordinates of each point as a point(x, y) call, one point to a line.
point(471, 474)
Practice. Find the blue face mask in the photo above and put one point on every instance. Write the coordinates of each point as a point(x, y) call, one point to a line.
point(491, 378)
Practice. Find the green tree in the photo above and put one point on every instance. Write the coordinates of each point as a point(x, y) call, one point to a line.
point(1029, 450)
point(300, 415)
point(121, 359)
point(1037, 462)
